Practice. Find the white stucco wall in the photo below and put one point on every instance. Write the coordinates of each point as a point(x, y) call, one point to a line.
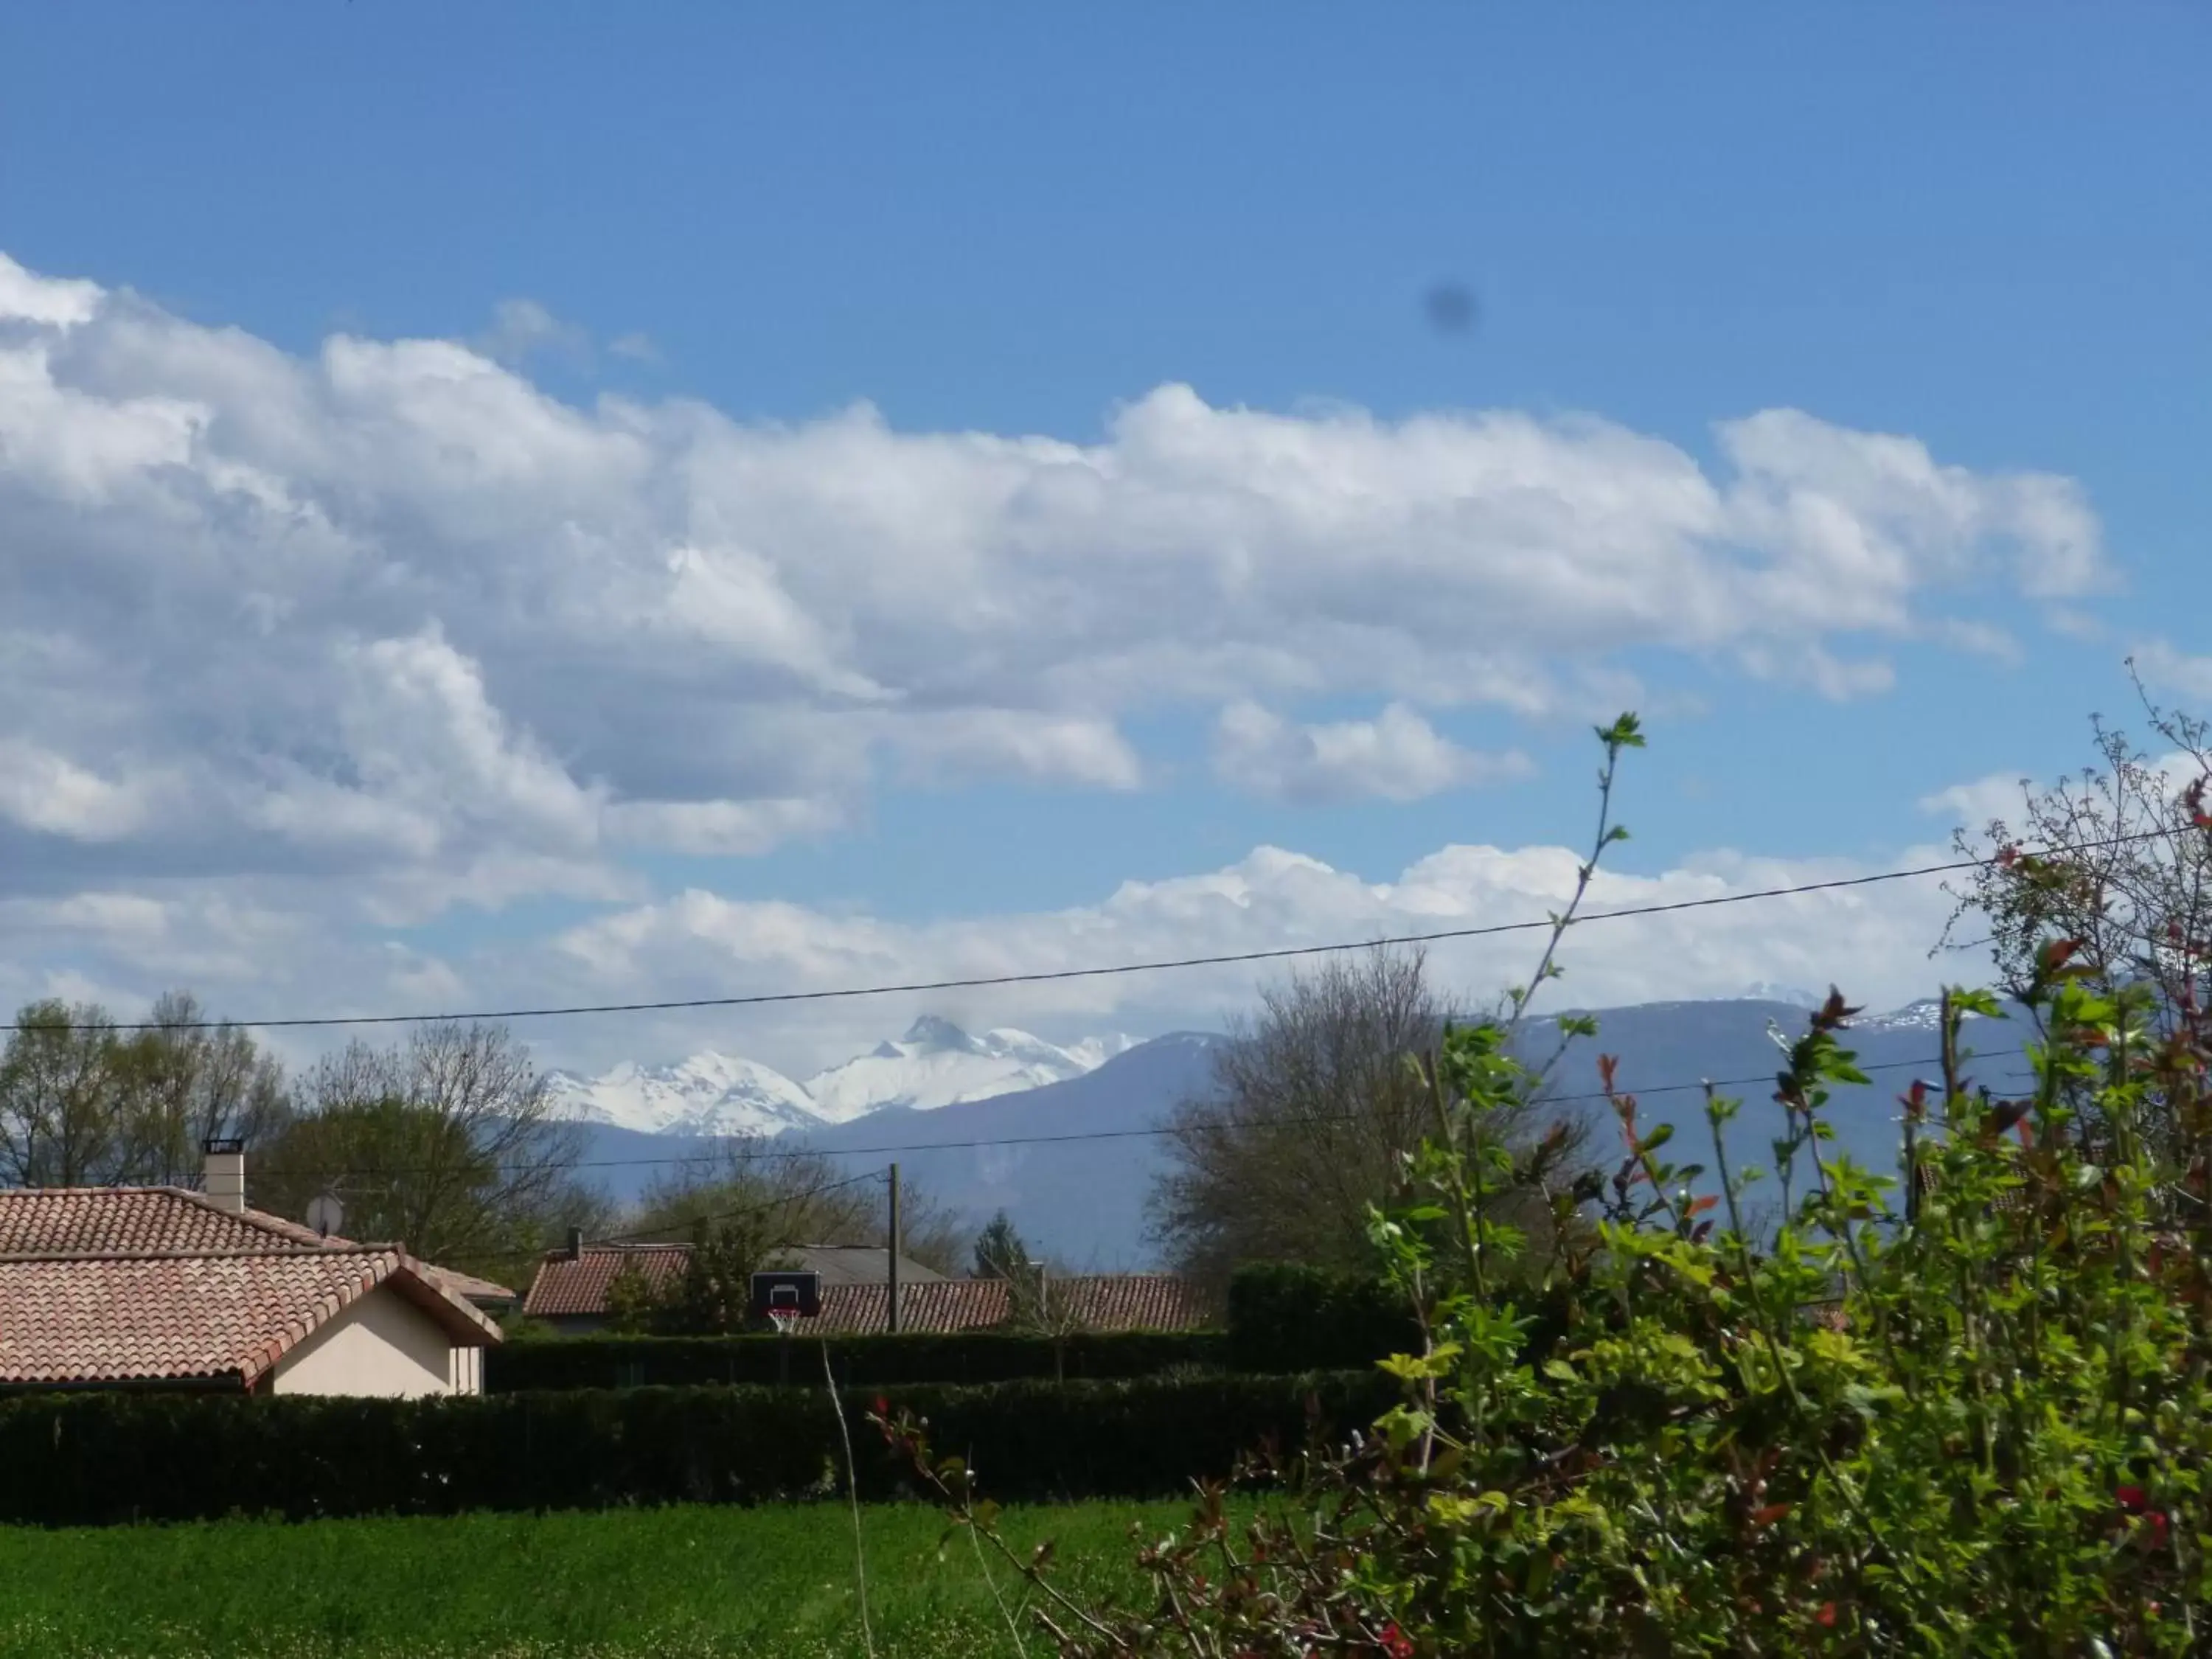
point(380, 1345)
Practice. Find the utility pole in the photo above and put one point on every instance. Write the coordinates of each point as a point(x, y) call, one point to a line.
point(891, 1261)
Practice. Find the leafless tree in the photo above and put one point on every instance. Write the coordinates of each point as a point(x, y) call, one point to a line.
point(2117, 857)
point(797, 1198)
point(2128, 866)
point(446, 1142)
point(1314, 1105)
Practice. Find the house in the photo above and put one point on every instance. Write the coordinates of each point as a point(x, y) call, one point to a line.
point(570, 1291)
point(161, 1287)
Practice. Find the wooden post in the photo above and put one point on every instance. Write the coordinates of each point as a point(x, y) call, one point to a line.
point(890, 1261)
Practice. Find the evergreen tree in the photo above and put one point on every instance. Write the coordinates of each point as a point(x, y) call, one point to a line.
point(1000, 1251)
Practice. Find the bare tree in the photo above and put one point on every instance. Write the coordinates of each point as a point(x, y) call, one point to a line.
point(2116, 859)
point(446, 1142)
point(931, 1231)
point(1314, 1103)
point(798, 1198)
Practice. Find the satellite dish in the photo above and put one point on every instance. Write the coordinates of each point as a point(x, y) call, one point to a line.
point(325, 1214)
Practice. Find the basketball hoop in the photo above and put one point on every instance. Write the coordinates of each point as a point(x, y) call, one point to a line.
point(785, 1320)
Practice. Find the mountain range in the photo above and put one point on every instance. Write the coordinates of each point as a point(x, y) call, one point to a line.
point(1072, 1158)
point(935, 1064)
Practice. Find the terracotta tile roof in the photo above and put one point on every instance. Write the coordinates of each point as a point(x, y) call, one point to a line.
point(1137, 1302)
point(110, 1284)
point(214, 1315)
point(1103, 1302)
point(568, 1287)
point(62, 1220)
point(943, 1305)
point(53, 1220)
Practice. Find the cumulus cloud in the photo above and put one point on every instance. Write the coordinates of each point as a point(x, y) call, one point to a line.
point(1397, 756)
point(1973, 804)
point(42, 790)
point(388, 611)
point(958, 744)
point(2164, 668)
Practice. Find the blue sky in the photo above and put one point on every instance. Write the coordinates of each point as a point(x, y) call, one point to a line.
point(1977, 232)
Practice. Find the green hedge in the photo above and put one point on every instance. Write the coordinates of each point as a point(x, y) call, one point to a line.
point(1284, 1317)
point(97, 1458)
point(867, 1361)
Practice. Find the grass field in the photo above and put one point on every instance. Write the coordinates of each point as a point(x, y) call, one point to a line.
point(670, 1583)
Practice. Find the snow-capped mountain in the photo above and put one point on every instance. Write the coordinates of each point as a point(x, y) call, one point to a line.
point(1094, 1052)
point(710, 1094)
point(1796, 996)
point(935, 1064)
point(1925, 1015)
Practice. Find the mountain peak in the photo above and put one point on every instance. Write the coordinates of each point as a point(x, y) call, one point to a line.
point(929, 1031)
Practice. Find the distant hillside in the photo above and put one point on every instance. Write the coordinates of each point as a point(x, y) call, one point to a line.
point(1665, 1046)
point(1083, 1199)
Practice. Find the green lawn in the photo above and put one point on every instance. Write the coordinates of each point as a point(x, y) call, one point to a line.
point(669, 1583)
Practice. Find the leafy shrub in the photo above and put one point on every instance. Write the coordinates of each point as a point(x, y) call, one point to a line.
point(860, 1361)
point(1978, 1421)
point(101, 1457)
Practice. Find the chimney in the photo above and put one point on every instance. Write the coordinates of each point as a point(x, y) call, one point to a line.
point(223, 1181)
point(576, 1244)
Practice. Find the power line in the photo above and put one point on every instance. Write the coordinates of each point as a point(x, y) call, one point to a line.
point(1077, 1136)
point(1279, 953)
point(644, 1236)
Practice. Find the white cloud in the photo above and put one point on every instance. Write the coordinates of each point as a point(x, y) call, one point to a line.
point(958, 744)
point(388, 609)
point(43, 790)
point(2164, 668)
point(1397, 756)
point(522, 328)
point(1973, 805)
point(729, 828)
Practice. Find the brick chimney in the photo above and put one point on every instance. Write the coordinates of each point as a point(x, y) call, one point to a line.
point(223, 1181)
point(576, 1244)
